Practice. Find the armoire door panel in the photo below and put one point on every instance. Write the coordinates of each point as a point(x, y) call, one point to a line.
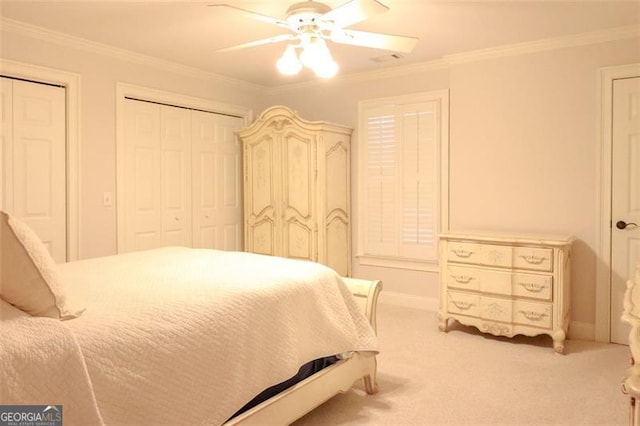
point(299, 241)
point(262, 237)
point(261, 175)
point(337, 244)
point(299, 169)
point(336, 186)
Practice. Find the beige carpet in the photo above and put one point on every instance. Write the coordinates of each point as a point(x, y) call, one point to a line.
point(427, 377)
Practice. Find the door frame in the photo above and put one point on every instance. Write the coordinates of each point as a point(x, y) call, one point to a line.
point(604, 220)
point(71, 83)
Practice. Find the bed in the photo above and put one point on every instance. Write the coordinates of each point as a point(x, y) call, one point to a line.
point(179, 335)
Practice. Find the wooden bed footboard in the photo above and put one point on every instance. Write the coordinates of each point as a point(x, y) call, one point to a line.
point(295, 402)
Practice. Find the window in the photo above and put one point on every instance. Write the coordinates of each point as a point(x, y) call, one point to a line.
point(403, 146)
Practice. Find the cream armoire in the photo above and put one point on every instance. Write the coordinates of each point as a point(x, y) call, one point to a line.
point(297, 188)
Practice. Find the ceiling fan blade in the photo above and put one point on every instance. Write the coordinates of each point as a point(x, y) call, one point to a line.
point(375, 40)
point(253, 15)
point(353, 12)
point(274, 39)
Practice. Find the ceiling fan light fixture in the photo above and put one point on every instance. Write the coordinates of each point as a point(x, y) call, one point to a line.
point(326, 69)
point(314, 52)
point(289, 64)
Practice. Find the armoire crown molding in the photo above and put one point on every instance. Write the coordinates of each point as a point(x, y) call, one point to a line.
point(39, 33)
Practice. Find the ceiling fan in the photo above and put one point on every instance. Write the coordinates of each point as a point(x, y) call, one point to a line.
point(312, 23)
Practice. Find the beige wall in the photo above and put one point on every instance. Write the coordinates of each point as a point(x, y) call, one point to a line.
point(523, 140)
point(99, 74)
point(523, 149)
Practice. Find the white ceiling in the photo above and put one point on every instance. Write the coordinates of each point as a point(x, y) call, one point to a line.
point(189, 32)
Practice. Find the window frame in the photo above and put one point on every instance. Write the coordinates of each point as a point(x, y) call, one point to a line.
point(441, 97)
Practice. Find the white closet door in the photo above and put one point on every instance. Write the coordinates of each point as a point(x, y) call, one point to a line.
point(142, 191)
point(176, 176)
point(157, 189)
point(217, 176)
point(34, 149)
point(6, 147)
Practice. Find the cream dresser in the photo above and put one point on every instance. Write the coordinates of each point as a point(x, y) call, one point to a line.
point(506, 284)
point(297, 188)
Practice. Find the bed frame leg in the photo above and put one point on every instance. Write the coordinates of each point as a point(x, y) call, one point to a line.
point(370, 384)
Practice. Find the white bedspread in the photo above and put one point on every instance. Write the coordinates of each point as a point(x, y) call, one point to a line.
point(183, 336)
point(41, 364)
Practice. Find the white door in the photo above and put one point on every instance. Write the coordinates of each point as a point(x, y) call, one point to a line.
point(157, 189)
point(625, 197)
point(175, 124)
point(217, 176)
point(33, 160)
point(142, 191)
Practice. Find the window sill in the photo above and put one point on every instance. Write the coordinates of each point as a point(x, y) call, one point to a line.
point(387, 262)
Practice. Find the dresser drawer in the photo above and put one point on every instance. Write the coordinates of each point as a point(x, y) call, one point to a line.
point(533, 258)
point(500, 309)
point(478, 254)
point(533, 286)
point(516, 311)
point(505, 283)
point(532, 314)
point(463, 303)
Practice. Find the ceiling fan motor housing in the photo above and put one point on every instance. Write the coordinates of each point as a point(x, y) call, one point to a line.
point(304, 14)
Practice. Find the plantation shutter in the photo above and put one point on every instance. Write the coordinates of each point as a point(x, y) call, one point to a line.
point(401, 180)
point(419, 181)
point(381, 181)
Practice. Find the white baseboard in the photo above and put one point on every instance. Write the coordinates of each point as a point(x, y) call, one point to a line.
point(577, 330)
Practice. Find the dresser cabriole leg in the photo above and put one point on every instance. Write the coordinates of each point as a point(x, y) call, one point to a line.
point(443, 322)
point(558, 341)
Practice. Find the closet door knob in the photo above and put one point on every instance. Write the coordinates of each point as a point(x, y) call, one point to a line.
point(621, 224)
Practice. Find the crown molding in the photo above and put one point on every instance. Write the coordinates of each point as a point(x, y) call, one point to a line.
point(595, 37)
point(39, 33)
point(583, 39)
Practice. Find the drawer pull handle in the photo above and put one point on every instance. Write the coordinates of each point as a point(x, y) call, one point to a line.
point(533, 259)
point(463, 306)
point(533, 287)
point(533, 316)
point(462, 252)
point(462, 279)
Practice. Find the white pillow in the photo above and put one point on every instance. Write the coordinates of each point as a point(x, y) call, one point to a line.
point(28, 274)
